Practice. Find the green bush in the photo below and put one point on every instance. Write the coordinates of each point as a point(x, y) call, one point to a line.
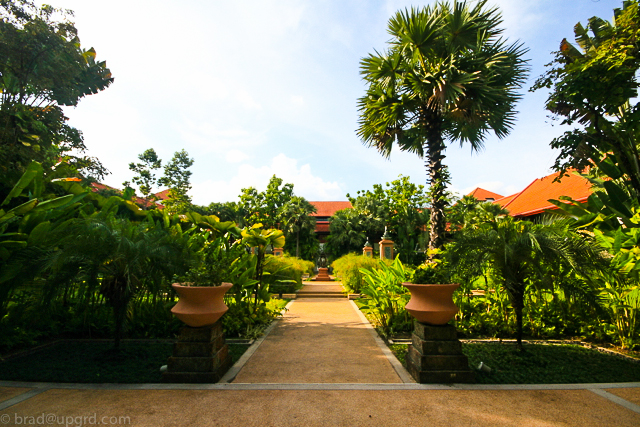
point(286, 272)
point(348, 267)
point(386, 298)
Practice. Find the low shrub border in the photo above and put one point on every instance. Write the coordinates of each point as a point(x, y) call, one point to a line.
point(95, 361)
point(543, 362)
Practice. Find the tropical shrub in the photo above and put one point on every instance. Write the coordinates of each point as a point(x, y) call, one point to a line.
point(386, 297)
point(287, 268)
point(348, 269)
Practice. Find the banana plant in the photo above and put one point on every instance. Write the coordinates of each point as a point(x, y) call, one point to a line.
point(612, 214)
point(386, 297)
point(259, 240)
point(27, 228)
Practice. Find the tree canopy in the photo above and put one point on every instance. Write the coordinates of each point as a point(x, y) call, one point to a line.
point(593, 88)
point(43, 67)
point(447, 74)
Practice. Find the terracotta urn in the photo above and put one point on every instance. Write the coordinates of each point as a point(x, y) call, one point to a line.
point(200, 305)
point(432, 304)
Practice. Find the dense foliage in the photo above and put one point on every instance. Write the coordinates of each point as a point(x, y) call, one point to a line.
point(43, 67)
point(400, 206)
point(594, 90)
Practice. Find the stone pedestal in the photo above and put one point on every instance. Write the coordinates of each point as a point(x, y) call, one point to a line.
point(323, 275)
point(435, 356)
point(201, 355)
point(386, 248)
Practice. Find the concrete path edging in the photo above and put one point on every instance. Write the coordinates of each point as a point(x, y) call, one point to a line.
point(317, 386)
point(395, 363)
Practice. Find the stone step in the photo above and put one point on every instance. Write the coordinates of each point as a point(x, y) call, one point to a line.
point(320, 295)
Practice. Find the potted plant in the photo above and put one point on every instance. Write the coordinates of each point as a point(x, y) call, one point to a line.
point(201, 289)
point(431, 294)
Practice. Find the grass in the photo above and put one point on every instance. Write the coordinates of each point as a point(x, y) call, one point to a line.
point(543, 364)
point(96, 362)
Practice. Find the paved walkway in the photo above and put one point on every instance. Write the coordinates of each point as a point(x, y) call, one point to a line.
point(330, 372)
point(319, 341)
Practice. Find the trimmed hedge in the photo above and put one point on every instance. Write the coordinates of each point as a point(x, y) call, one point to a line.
point(347, 268)
point(287, 267)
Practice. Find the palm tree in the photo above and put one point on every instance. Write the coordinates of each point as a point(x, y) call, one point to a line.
point(118, 257)
point(517, 251)
point(296, 215)
point(447, 74)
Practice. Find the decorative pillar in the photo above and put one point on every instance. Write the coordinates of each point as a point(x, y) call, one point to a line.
point(367, 250)
point(201, 355)
point(386, 246)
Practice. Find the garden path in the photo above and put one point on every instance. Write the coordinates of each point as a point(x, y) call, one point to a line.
point(319, 340)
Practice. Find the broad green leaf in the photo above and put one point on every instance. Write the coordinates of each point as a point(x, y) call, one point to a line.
point(38, 234)
point(32, 171)
point(24, 208)
point(609, 168)
point(55, 203)
point(13, 244)
point(617, 197)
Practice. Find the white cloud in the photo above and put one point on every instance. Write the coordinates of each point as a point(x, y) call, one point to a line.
point(236, 156)
point(305, 183)
point(298, 101)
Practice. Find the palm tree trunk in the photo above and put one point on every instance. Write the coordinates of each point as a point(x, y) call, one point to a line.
point(119, 314)
point(518, 304)
point(437, 178)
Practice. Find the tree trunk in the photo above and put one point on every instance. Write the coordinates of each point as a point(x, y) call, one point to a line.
point(119, 314)
point(518, 304)
point(298, 243)
point(437, 177)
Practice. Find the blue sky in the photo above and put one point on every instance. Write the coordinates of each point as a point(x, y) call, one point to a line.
point(256, 88)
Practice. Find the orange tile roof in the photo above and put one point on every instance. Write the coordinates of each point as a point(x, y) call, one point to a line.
point(482, 194)
point(163, 195)
point(535, 198)
point(96, 186)
point(505, 199)
point(329, 208)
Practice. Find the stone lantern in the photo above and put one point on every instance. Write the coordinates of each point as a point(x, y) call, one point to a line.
point(367, 250)
point(386, 246)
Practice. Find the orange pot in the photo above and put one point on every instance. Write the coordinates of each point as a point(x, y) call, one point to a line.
point(200, 305)
point(432, 304)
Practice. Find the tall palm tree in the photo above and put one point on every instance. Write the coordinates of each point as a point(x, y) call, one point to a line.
point(517, 251)
point(296, 215)
point(447, 74)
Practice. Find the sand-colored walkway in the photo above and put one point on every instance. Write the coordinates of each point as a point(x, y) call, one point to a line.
point(319, 341)
point(326, 408)
point(319, 366)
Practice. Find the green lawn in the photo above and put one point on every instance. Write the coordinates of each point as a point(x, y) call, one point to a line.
point(543, 364)
point(96, 362)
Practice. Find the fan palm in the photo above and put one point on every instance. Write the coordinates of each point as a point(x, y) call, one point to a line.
point(448, 73)
point(517, 250)
point(296, 215)
point(118, 257)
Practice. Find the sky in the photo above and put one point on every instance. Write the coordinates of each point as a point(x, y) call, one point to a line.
point(253, 88)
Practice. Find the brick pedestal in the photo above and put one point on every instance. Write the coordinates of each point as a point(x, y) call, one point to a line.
point(201, 355)
point(323, 275)
point(435, 356)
